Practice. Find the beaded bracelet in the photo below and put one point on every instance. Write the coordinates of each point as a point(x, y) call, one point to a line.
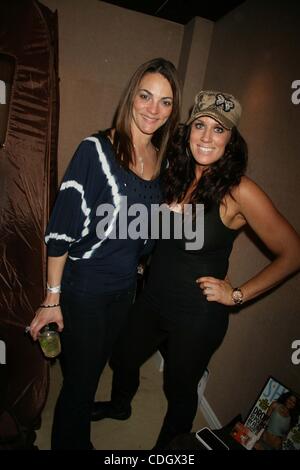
point(49, 306)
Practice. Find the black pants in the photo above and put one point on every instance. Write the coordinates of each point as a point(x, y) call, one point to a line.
point(91, 326)
point(189, 342)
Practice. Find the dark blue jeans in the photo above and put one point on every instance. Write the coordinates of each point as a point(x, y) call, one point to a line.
point(92, 324)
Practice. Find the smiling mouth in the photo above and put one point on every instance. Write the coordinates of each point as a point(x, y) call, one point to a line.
point(205, 149)
point(149, 119)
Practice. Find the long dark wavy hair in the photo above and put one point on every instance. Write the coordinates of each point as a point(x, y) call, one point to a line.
point(294, 412)
point(216, 181)
point(122, 140)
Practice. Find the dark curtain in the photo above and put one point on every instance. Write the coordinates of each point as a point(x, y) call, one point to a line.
point(28, 182)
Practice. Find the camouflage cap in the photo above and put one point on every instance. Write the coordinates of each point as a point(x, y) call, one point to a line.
point(222, 107)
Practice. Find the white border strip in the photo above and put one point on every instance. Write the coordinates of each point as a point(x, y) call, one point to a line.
point(209, 414)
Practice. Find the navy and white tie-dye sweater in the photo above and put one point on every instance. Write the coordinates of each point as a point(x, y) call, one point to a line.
point(93, 178)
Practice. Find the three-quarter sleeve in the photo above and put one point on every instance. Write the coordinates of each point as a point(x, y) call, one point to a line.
point(70, 217)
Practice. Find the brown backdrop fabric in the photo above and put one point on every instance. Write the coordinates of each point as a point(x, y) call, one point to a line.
point(28, 182)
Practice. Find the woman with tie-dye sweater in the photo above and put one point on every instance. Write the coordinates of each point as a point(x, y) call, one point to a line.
point(94, 244)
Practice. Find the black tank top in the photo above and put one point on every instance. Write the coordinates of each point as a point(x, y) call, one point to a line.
point(174, 269)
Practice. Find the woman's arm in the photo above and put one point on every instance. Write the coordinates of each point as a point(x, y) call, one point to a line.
point(272, 408)
point(44, 316)
point(275, 232)
point(68, 222)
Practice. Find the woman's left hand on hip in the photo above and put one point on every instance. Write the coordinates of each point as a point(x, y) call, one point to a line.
point(216, 290)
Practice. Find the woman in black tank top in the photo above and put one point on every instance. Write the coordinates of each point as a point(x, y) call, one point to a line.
point(186, 301)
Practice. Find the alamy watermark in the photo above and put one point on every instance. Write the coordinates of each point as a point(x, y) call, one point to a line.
point(2, 92)
point(295, 358)
point(2, 352)
point(135, 222)
point(296, 94)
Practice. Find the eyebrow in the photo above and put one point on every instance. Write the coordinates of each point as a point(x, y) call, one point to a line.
point(163, 98)
point(217, 123)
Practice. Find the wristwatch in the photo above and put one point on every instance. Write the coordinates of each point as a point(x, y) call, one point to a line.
point(237, 296)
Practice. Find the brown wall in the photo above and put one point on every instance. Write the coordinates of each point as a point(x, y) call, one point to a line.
point(254, 55)
point(194, 55)
point(100, 47)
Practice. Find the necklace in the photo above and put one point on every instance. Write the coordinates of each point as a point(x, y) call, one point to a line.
point(140, 160)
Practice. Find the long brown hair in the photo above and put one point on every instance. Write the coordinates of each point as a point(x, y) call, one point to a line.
point(215, 182)
point(122, 141)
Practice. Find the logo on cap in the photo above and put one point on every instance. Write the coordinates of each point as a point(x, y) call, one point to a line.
point(222, 107)
point(227, 105)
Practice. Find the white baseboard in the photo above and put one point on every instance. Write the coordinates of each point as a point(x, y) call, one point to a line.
point(209, 414)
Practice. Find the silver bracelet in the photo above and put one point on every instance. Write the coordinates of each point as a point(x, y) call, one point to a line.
point(54, 289)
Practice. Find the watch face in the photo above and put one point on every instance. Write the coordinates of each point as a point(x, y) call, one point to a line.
point(237, 296)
